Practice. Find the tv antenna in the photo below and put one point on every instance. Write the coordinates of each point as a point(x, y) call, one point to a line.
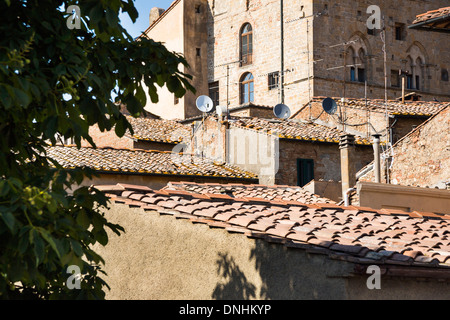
point(282, 111)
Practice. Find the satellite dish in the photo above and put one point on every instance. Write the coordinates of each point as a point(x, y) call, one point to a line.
point(221, 110)
point(282, 111)
point(204, 104)
point(329, 106)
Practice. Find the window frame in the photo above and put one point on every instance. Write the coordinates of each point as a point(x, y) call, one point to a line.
point(249, 95)
point(213, 88)
point(273, 80)
point(305, 165)
point(247, 57)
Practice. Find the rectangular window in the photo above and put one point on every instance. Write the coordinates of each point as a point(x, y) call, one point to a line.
point(361, 75)
point(273, 80)
point(352, 74)
point(400, 31)
point(305, 171)
point(395, 78)
point(417, 82)
point(409, 82)
point(214, 92)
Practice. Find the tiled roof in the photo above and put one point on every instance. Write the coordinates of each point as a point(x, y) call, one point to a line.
point(356, 234)
point(158, 130)
point(393, 107)
point(142, 162)
point(295, 129)
point(433, 14)
point(276, 192)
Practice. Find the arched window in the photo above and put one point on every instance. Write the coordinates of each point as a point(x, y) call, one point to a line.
point(444, 75)
point(246, 44)
point(247, 88)
point(418, 80)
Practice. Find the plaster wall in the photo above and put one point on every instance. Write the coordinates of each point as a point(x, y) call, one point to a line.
point(163, 258)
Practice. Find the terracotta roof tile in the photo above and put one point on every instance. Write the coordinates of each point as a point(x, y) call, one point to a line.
point(254, 193)
point(142, 162)
point(294, 129)
point(393, 107)
point(433, 14)
point(358, 236)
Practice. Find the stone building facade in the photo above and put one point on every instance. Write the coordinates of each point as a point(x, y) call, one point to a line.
point(323, 43)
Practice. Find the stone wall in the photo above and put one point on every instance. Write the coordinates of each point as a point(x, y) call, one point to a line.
point(364, 123)
point(424, 54)
point(326, 156)
point(313, 52)
point(226, 19)
point(321, 36)
point(422, 158)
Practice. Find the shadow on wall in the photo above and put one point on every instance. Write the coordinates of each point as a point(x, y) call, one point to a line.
point(235, 286)
point(286, 274)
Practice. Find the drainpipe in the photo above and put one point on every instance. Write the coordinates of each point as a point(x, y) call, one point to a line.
point(377, 160)
point(347, 196)
point(282, 52)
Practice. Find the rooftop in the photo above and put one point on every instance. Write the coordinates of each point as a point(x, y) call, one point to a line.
point(434, 20)
point(122, 161)
point(356, 234)
point(276, 192)
point(393, 107)
point(295, 129)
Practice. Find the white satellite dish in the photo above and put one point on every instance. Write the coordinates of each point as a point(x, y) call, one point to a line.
point(282, 111)
point(221, 110)
point(204, 104)
point(329, 106)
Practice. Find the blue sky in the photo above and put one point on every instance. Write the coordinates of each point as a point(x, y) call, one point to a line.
point(142, 23)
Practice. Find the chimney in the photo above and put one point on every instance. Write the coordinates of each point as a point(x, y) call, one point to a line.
point(155, 13)
point(377, 159)
point(348, 171)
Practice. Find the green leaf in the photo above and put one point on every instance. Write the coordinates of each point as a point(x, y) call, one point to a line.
point(120, 127)
point(76, 247)
point(83, 220)
point(39, 248)
point(8, 219)
point(96, 13)
point(111, 17)
point(46, 235)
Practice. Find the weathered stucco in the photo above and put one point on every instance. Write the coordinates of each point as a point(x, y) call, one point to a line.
point(160, 257)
